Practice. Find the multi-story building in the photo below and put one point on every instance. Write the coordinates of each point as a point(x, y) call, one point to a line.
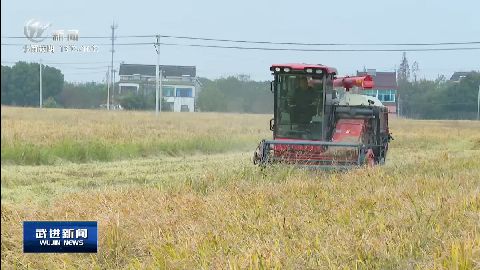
point(179, 84)
point(386, 88)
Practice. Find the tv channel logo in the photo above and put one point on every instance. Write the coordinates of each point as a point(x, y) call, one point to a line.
point(60, 237)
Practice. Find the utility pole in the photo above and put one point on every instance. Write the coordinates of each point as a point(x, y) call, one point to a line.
point(478, 104)
point(113, 88)
point(398, 107)
point(160, 86)
point(108, 88)
point(112, 77)
point(41, 84)
point(158, 81)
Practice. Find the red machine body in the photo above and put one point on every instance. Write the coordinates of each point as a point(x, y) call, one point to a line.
point(349, 130)
point(311, 127)
point(365, 82)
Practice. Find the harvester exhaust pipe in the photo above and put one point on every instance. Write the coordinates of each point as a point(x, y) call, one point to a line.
point(365, 82)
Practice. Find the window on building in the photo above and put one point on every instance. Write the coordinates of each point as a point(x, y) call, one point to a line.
point(388, 97)
point(184, 92)
point(168, 91)
point(383, 95)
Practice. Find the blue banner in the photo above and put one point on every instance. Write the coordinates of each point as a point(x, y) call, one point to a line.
point(60, 237)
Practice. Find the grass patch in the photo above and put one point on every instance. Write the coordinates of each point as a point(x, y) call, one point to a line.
point(36, 137)
point(87, 151)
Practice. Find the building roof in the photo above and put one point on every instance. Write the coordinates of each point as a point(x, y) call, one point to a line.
point(456, 76)
point(149, 70)
point(383, 80)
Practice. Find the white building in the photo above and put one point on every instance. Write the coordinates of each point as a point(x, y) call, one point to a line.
point(179, 84)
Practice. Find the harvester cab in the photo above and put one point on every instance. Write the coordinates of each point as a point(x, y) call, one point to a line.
point(315, 126)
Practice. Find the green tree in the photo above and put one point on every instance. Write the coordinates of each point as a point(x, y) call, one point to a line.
point(7, 89)
point(235, 94)
point(441, 99)
point(50, 103)
point(83, 95)
point(415, 70)
point(403, 73)
point(133, 102)
point(20, 83)
point(211, 99)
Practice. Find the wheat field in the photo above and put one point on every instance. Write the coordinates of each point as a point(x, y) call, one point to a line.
point(179, 191)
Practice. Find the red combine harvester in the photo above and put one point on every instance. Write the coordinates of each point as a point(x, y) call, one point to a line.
point(314, 126)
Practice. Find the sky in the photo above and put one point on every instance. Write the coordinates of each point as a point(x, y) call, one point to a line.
point(406, 21)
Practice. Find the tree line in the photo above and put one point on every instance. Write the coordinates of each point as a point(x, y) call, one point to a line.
point(436, 99)
point(20, 83)
point(235, 94)
point(417, 98)
point(20, 87)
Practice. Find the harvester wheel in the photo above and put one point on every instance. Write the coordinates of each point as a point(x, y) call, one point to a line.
point(257, 155)
point(370, 158)
point(256, 158)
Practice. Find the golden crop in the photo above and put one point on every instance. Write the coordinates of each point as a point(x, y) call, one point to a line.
point(206, 206)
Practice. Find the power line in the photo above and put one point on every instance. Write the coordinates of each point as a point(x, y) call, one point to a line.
point(63, 63)
point(276, 43)
point(323, 44)
point(91, 37)
point(290, 49)
point(299, 49)
point(323, 50)
point(69, 65)
point(97, 44)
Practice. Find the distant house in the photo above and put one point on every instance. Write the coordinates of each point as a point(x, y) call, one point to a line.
point(386, 88)
point(179, 84)
point(457, 76)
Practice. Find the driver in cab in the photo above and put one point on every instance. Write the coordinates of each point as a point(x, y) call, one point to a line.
point(304, 97)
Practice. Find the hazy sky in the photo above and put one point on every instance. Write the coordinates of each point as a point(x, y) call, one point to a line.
point(405, 21)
